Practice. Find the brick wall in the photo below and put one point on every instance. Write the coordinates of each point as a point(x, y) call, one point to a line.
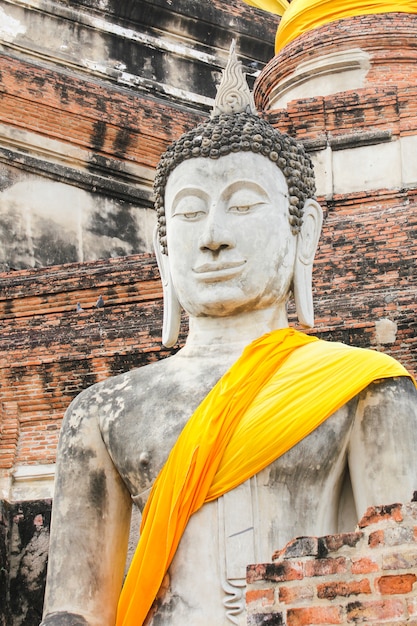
point(389, 109)
point(89, 114)
point(366, 576)
point(49, 352)
point(365, 272)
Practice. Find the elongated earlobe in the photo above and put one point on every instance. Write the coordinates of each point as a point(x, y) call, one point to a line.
point(172, 309)
point(303, 270)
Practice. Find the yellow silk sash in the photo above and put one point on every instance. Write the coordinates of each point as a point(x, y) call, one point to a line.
point(304, 15)
point(282, 387)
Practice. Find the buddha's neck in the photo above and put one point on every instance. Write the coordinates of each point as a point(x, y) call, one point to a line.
point(231, 334)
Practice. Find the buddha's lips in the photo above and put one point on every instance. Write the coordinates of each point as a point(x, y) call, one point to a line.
point(218, 271)
point(218, 267)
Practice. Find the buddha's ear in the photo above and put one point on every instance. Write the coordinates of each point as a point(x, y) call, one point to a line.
point(307, 241)
point(172, 309)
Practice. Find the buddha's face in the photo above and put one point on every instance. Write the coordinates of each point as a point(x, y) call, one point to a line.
point(230, 245)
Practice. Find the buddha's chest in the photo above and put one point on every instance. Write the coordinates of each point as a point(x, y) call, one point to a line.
point(295, 495)
point(146, 435)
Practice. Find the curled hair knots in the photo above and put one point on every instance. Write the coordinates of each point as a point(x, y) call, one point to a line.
point(239, 132)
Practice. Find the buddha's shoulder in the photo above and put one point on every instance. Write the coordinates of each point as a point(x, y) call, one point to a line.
point(399, 390)
point(130, 384)
point(167, 378)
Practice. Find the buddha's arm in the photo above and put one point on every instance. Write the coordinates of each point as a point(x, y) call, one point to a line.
point(90, 525)
point(382, 454)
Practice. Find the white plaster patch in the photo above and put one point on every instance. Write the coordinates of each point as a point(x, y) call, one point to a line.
point(10, 28)
point(322, 76)
point(151, 41)
point(322, 162)
point(100, 68)
point(385, 331)
point(32, 482)
point(409, 159)
point(5, 486)
point(127, 78)
point(367, 167)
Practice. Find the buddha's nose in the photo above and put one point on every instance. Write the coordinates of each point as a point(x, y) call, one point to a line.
point(215, 236)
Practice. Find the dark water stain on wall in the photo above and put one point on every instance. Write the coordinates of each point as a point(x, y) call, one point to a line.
point(119, 223)
point(51, 249)
point(24, 540)
point(98, 136)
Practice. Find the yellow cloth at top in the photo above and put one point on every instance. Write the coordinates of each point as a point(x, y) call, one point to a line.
point(304, 15)
point(282, 387)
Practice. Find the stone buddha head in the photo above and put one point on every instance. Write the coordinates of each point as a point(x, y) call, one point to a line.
point(238, 224)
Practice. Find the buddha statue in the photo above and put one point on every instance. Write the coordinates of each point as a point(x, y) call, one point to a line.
point(252, 433)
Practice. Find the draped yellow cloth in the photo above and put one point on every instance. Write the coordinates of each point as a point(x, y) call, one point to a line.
point(282, 387)
point(304, 15)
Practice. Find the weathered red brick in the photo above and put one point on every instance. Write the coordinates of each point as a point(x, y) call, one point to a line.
point(376, 539)
point(263, 597)
point(371, 610)
point(314, 615)
point(330, 590)
point(378, 513)
point(289, 595)
point(364, 565)
point(396, 584)
point(324, 567)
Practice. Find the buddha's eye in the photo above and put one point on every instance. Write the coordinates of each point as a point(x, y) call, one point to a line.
point(245, 197)
point(240, 209)
point(192, 215)
point(244, 208)
point(190, 208)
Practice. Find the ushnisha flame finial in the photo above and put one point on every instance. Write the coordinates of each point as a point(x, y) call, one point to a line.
point(233, 94)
